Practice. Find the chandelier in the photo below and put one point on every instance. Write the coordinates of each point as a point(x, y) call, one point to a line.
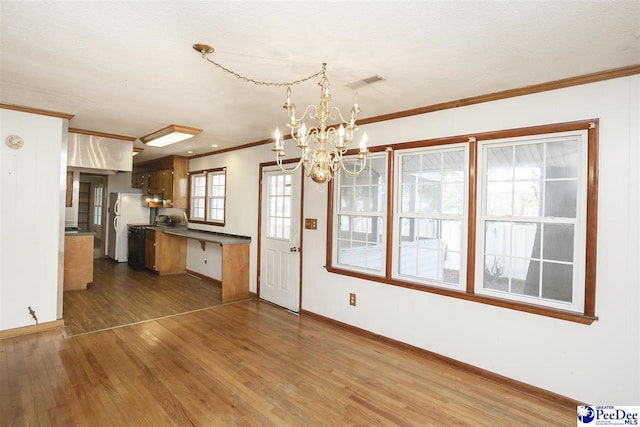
point(322, 146)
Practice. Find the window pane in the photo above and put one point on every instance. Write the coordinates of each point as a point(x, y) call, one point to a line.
point(429, 196)
point(558, 242)
point(557, 281)
point(529, 161)
point(497, 238)
point(496, 275)
point(562, 159)
point(499, 163)
point(287, 185)
point(346, 198)
point(499, 198)
point(359, 243)
point(453, 198)
point(527, 200)
point(279, 193)
point(561, 199)
point(197, 208)
point(525, 239)
point(430, 249)
point(409, 199)
point(198, 184)
point(525, 279)
point(453, 166)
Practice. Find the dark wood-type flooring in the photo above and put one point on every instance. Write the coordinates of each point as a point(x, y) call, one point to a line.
point(247, 363)
point(120, 295)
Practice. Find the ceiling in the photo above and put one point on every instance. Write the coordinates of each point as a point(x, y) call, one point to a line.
point(128, 68)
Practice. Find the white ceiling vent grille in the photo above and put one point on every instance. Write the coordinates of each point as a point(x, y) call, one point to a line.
point(364, 82)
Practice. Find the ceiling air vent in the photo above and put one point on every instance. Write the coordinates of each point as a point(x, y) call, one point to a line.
point(364, 82)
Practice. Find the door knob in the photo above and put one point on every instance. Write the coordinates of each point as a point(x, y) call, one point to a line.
point(294, 249)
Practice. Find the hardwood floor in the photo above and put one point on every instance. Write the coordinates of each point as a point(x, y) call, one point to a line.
point(246, 363)
point(120, 295)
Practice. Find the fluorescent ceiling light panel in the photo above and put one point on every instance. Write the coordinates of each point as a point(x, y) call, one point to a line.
point(169, 135)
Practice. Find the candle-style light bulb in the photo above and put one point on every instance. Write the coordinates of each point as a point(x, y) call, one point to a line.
point(302, 133)
point(356, 106)
point(363, 143)
point(293, 115)
point(278, 144)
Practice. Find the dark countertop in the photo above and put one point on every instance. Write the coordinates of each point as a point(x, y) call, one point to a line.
point(206, 236)
point(79, 233)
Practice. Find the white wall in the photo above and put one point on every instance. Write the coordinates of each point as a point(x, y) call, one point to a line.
point(120, 182)
point(596, 363)
point(242, 203)
point(31, 217)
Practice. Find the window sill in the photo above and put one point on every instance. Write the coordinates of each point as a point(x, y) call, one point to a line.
point(498, 302)
point(199, 221)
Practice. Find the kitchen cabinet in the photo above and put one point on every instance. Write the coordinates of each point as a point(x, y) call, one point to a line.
point(137, 179)
point(167, 176)
point(164, 253)
point(78, 260)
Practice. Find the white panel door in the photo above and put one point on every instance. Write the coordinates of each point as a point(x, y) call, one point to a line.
point(280, 238)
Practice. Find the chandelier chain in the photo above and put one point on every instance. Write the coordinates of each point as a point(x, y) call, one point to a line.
point(261, 82)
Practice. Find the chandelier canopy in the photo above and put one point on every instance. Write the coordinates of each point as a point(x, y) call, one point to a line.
point(322, 146)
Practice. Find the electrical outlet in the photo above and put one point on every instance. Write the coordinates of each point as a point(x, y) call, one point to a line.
point(205, 260)
point(352, 299)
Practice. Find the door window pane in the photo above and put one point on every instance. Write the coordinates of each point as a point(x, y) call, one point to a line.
point(279, 194)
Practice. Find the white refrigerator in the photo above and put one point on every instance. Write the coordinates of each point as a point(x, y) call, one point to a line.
point(124, 209)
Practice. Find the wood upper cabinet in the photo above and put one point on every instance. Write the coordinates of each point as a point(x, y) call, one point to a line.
point(137, 179)
point(166, 176)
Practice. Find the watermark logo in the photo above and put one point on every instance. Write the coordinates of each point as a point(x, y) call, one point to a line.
point(586, 414)
point(602, 415)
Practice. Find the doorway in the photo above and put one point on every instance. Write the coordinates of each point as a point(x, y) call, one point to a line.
point(280, 239)
point(91, 211)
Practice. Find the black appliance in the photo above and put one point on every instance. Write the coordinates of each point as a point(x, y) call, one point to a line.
point(136, 236)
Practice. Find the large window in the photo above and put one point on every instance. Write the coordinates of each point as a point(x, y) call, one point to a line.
point(430, 227)
point(361, 221)
point(506, 218)
point(208, 194)
point(531, 219)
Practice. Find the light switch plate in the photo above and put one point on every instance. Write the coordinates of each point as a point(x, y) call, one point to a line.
point(311, 223)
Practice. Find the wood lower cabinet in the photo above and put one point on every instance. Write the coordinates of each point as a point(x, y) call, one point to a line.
point(78, 261)
point(164, 253)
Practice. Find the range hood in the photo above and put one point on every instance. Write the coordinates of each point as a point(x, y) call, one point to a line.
point(98, 152)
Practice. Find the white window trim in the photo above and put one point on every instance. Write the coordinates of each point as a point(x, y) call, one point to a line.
point(461, 285)
point(192, 197)
point(336, 222)
point(579, 259)
point(209, 197)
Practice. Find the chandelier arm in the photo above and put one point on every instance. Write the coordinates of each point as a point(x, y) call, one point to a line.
point(260, 82)
point(308, 111)
point(363, 163)
point(337, 110)
point(290, 171)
